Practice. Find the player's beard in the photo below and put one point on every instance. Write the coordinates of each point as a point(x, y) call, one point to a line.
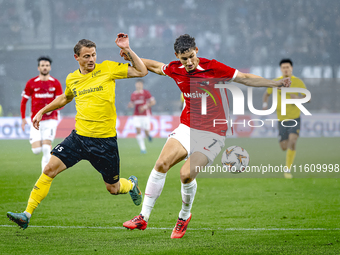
point(45, 73)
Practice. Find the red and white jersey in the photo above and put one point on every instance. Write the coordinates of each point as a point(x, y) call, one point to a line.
point(41, 93)
point(197, 83)
point(139, 99)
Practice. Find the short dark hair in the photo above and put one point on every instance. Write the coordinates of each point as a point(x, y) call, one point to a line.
point(140, 80)
point(44, 58)
point(184, 43)
point(286, 60)
point(83, 43)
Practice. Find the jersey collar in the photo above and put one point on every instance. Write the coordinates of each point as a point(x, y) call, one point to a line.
point(95, 66)
point(197, 68)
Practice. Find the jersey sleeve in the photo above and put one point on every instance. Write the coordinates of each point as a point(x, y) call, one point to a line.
point(223, 71)
point(301, 84)
point(27, 93)
point(68, 91)
point(133, 97)
point(166, 69)
point(58, 88)
point(25, 96)
point(148, 94)
point(118, 70)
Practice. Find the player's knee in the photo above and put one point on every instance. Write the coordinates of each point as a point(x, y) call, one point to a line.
point(292, 145)
point(50, 171)
point(283, 145)
point(53, 169)
point(162, 166)
point(37, 150)
point(185, 177)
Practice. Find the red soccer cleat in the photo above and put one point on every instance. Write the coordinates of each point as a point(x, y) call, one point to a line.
point(137, 222)
point(180, 228)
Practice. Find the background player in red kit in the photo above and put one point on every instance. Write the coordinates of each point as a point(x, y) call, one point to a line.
point(142, 101)
point(195, 138)
point(42, 90)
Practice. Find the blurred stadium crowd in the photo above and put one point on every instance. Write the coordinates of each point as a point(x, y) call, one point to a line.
point(243, 33)
point(256, 30)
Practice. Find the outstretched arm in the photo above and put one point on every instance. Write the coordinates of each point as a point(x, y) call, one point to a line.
point(57, 103)
point(253, 80)
point(151, 65)
point(137, 69)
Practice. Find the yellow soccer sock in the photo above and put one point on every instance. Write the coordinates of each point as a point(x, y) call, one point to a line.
point(39, 192)
point(290, 156)
point(125, 186)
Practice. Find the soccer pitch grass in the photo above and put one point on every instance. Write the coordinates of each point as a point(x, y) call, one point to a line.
point(230, 215)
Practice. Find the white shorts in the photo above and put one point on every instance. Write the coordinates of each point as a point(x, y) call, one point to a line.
point(208, 143)
point(142, 122)
point(47, 131)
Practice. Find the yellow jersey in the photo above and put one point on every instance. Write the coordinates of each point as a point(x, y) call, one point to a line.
point(94, 94)
point(292, 111)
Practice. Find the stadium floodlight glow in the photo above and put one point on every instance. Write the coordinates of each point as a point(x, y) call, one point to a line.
point(238, 100)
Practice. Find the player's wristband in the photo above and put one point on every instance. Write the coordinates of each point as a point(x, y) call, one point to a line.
point(264, 105)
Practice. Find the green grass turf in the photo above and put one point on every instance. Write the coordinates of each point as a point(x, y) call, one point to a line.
point(238, 214)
